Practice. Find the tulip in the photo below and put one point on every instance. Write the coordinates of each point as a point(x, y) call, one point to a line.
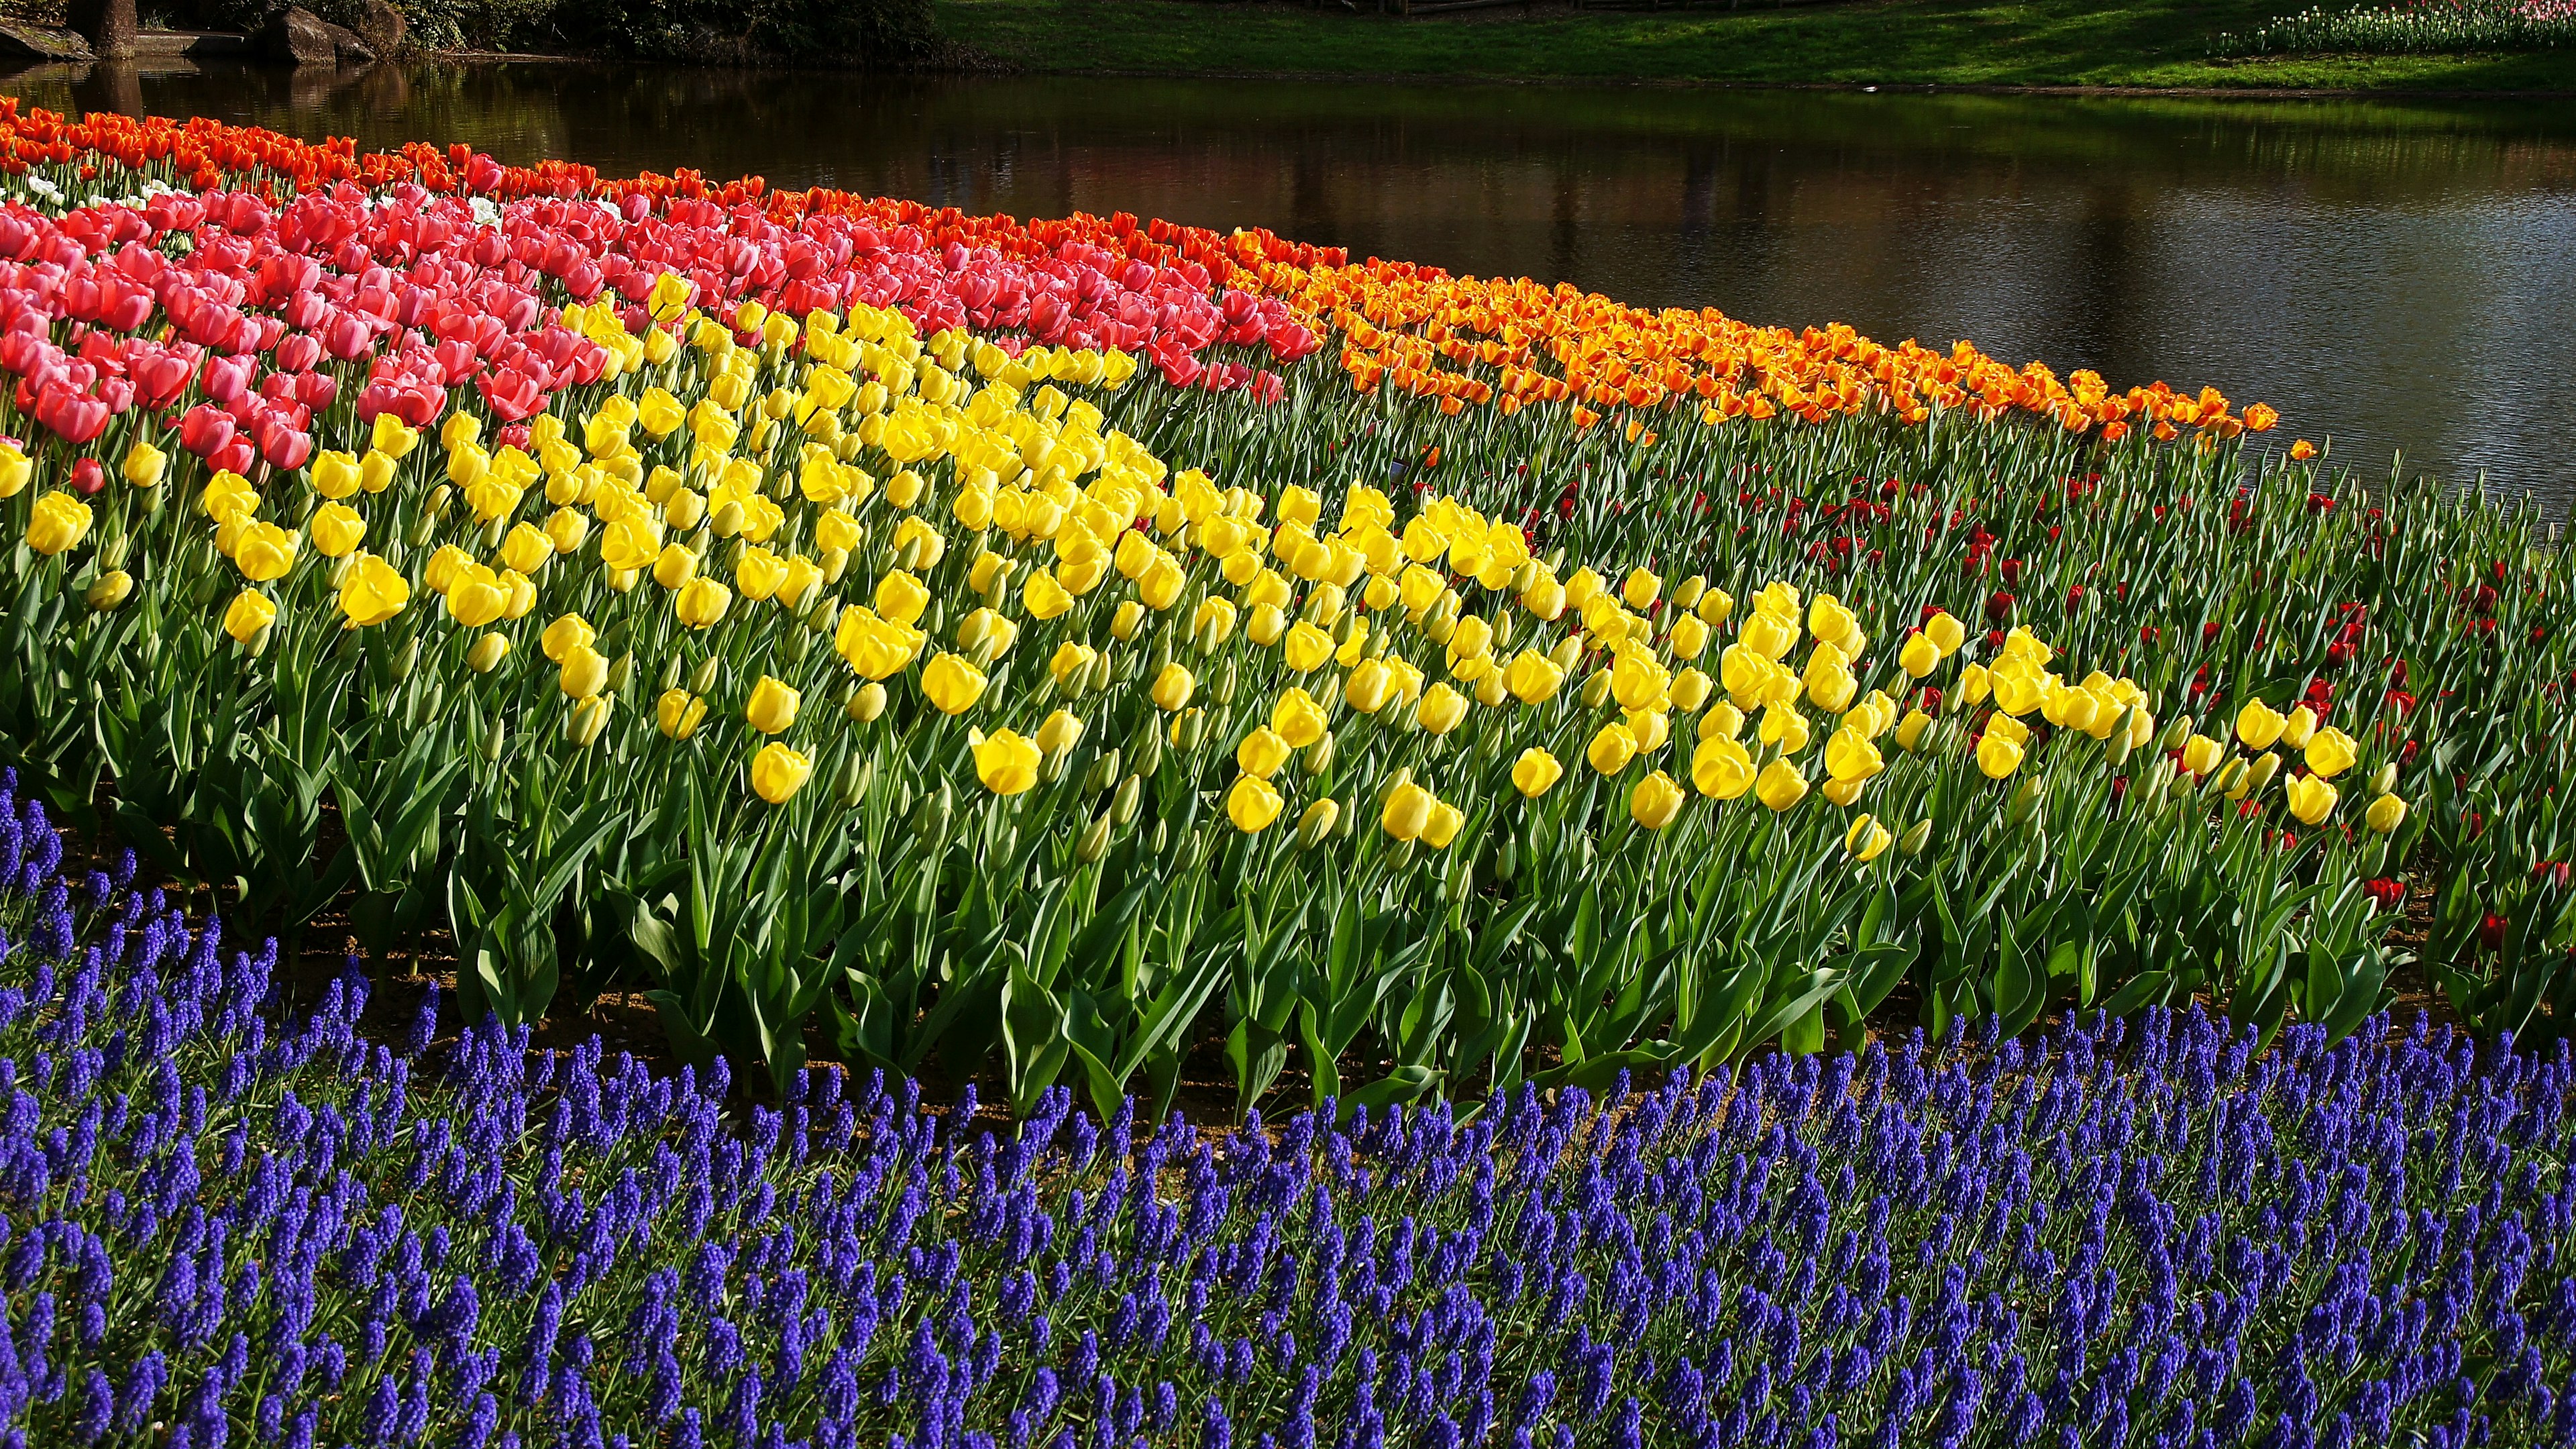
point(1866, 840)
point(1723, 721)
point(2385, 814)
point(1317, 823)
point(1252, 804)
point(1641, 588)
point(952, 685)
point(1007, 763)
point(337, 530)
point(902, 598)
point(678, 713)
point(1297, 718)
point(2330, 752)
point(564, 635)
point(1307, 648)
point(1975, 683)
point(1441, 709)
point(583, 670)
point(491, 649)
point(59, 522)
point(110, 591)
point(1443, 825)
point(701, 603)
point(1920, 656)
point(372, 591)
point(588, 720)
point(778, 772)
point(1172, 688)
point(2310, 798)
point(2296, 730)
point(1059, 732)
point(1611, 749)
point(250, 613)
point(1780, 786)
point(1367, 687)
point(1407, 812)
point(1850, 757)
point(1535, 771)
point(145, 464)
point(2258, 725)
point(263, 551)
point(772, 707)
point(15, 469)
point(1909, 731)
point(674, 566)
point(1997, 755)
point(1721, 768)
point(1945, 632)
point(2201, 754)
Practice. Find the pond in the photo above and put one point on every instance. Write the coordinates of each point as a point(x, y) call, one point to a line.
point(2398, 278)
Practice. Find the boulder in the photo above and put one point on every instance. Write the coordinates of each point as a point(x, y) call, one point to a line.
point(382, 26)
point(42, 42)
point(301, 37)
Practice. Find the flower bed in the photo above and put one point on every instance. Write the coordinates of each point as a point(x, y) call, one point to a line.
point(1048, 650)
point(264, 1229)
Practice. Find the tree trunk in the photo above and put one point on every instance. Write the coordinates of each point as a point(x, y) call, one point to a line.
point(108, 26)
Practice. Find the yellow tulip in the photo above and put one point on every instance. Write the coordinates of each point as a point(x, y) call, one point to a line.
point(674, 566)
point(1007, 763)
point(1444, 824)
point(2311, 799)
point(1641, 588)
point(2330, 752)
point(527, 549)
point(902, 597)
point(1867, 840)
point(1070, 661)
point(1769, 637)
point(1262, 752)
point(1721, 768)
point(584, 671)
point(1442, 709)
point(1920, 656)
point(337, 474)
point(701, 603)
point(1998, 755)
point(778, 772)
point(677, 713)
point(1408, 810)
point(2385, 814)
point(1779, 786)
point(564, 635)
point(15, 469)
point(1173, 687)
point(1307, 647)
point(1850, 757)
point(1535, 771)
point(1252, 804)
point(2258, 724)
point(144, 465)
point(1059, 732)
point(1945, 632)
point(1532, 677)
point(951, 684)
point(2296, 730)
point(1297, 718)
point(772, 708)
point(1715, 606)
point(372, 591)
point(263, 551)
point(1213, 624)
point(337, 530)
point(759, 573)
point(1657, 800)
point(476, 596)
point(1723, 721)
point(1782, 725)
point(1368, 685)
point(1909, 730)
point(2201, 754)
point(487, 653)
point(1689, 637)
point(1975, 683)
point(250, 612)
point(1040, 594)
point(1611, 749)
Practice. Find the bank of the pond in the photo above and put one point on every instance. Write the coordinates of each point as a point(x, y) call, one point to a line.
point(2017, 43)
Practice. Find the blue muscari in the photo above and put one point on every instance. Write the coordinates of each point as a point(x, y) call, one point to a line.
point(231, 1224)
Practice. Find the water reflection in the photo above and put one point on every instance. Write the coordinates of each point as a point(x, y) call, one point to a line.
point(2397, 276)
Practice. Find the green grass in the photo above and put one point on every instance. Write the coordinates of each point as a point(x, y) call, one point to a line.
point(1886, 42)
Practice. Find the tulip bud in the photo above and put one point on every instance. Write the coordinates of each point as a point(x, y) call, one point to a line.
point(1567, 653)
point(2025, 802)
point(1596, 690)
point(258, 643)
point(1316, 825)
point(1103, 773)
point(1320, 754)
point(406, 661)
point(727, 521)
point(708, 674)
point(1096, 677)
point(936, 811)
point(1226, 680)
point(422, 530)
point(2223, 781)
point(588, 719)
point(2261, 774)
point(1130, 796)
point(2116, 748)
point(2158, 780)
point(1916, 836)
point(113, 554)
point(493, 739)
point(487, 653)
point(2384, 779)
point(908, 558)
point(858, 773)
point(620, 672)
point(110, 591)
point(867, 703)
point(1094, 843)
point(1191, 730)
point(2177, 730)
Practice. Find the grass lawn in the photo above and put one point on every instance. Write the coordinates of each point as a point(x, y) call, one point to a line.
point(1945, 42)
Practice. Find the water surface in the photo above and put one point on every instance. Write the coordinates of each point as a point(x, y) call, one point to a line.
point(2394, 277)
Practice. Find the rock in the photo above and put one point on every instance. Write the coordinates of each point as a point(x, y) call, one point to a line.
point(42, 42)
point(349, 46)
point(382, 26)
point(299, 37)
